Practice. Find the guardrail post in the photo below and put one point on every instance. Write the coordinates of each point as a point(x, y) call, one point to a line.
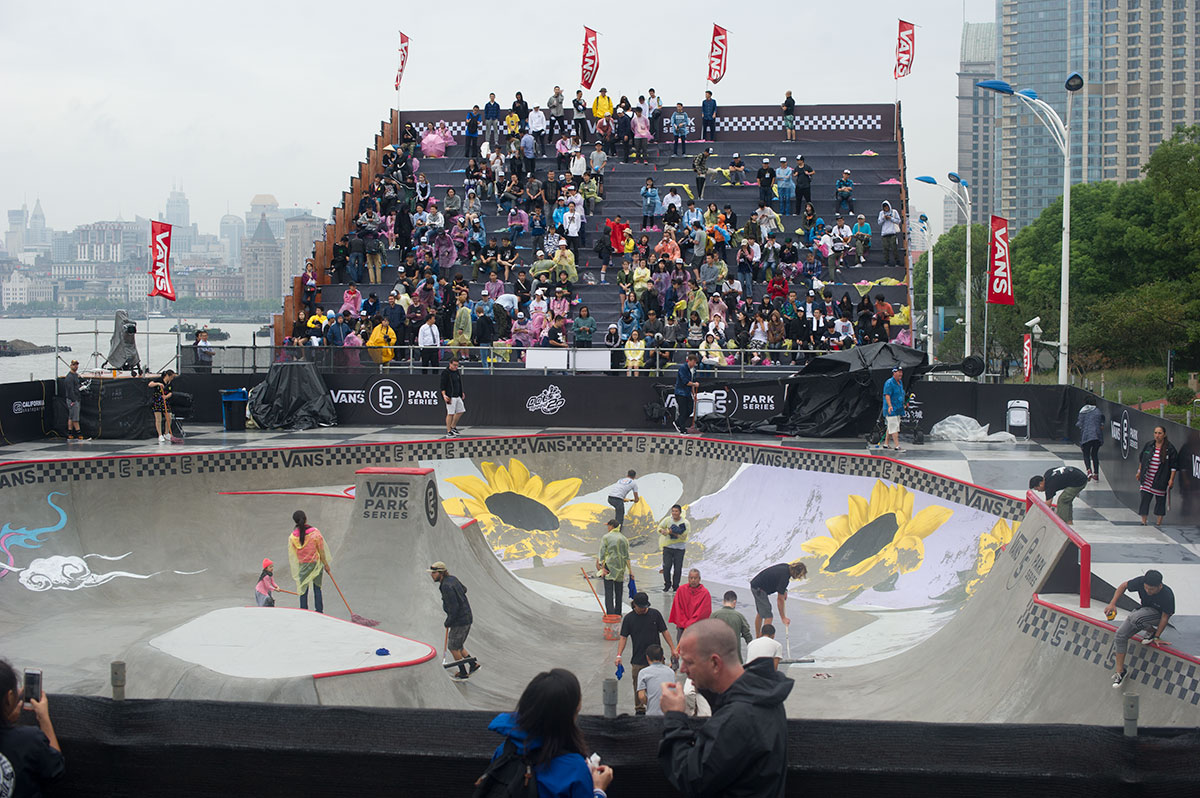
point(1131, 714)
point(609, 697)
point(1085, 576)
point(117, 677)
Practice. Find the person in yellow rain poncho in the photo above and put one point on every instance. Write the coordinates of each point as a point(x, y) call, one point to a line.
point(380, 344)
point(309, 559)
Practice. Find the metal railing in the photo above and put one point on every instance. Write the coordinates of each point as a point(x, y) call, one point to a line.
point(406, 358)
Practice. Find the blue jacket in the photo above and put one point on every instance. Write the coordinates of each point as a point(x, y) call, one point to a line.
point(565, 776)
point(709, 109)
point(894, 389)
point(682, 378)
point(679, 123)
point(649, 201)
point(491, 111)
point(1090, 423)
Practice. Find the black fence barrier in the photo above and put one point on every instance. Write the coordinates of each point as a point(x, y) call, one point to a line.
point(203, 748)
point(1126, 433)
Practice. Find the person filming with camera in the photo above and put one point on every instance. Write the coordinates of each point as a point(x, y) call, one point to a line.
point(30, 758)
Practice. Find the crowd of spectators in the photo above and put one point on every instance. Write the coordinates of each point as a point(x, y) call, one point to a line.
point(488, 286)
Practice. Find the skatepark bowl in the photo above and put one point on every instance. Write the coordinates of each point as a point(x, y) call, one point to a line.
point(928, 599)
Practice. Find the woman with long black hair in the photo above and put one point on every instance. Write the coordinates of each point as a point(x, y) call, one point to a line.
point(545, 731)
point(309, 560)
point(32, 754)
point(1156, 474)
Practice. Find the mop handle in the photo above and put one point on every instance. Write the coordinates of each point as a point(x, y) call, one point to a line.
point(594, 593)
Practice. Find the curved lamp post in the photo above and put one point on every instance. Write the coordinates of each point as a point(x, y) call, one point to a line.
point(963, 200)
point(1059, 131)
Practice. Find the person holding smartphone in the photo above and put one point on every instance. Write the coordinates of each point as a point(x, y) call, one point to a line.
point(30, 758)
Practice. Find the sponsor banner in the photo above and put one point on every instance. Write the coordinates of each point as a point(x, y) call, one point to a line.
point(403, 59)
point(718, 54)
point(160, 254)
point(591, 59)
point(999, 287)
point(906, 49)
point(1027, 356)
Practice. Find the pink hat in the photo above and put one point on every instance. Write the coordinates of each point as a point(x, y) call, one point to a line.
point(267, 562)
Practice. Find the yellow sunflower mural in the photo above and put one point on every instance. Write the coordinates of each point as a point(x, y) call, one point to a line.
point(990, 544)
point(520, 514)
point(877, 539)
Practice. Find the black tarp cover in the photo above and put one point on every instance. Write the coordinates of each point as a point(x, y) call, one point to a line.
point(293, 397)
point(122, 352)
point(841, 393)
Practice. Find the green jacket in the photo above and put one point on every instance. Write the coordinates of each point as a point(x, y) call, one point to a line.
point(737, 622)
point(614, 555)
point(664, 528)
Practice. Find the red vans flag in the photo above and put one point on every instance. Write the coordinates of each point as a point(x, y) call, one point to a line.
point(591, 59)
point(718, 53)
point(160, 252)
point(1000, 286)
point(906, 48)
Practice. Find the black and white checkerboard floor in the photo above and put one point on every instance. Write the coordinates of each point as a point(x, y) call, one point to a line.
point(1121, 547)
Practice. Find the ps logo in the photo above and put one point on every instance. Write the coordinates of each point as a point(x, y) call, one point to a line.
point(386, 397)
point(431, 503)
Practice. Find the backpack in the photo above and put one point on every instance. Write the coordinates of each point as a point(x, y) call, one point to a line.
point(509, 775)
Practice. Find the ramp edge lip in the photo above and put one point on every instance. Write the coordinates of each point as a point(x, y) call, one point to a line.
point(1111, 628)
point(283, 493)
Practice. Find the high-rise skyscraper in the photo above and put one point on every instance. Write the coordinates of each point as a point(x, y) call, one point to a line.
point(262, 263)
point(301, 232)
point(18, 229)
point(266, 204)
point(1139, 61)
point(976, 107)
point(37, 233)
point(232, 231)
point(178, 213)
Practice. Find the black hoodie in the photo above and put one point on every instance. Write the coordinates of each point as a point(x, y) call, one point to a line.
point(742, 749)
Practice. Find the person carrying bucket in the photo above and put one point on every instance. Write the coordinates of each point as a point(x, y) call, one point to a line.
point(309, 558)
point(266, 583)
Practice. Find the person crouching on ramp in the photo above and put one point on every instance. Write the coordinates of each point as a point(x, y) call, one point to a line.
point(458, 617)
point(309, 560)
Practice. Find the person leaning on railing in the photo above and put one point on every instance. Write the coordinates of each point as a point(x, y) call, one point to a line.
point(382, 339)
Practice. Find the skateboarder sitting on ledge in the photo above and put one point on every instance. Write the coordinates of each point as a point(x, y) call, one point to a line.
point(1158, 605)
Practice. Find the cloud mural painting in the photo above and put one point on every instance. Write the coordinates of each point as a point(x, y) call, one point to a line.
point(60, 572)
point(11, 537)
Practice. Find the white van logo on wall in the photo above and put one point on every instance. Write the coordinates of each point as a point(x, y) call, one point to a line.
point(549, 401)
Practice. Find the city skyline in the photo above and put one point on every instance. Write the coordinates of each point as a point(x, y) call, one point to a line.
point(139, 86)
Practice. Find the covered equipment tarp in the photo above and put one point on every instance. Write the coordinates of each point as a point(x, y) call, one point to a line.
point(841, 393)
point(293, 397)
point(123, 353)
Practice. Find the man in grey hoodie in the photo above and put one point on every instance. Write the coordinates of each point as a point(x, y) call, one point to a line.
point(742, 749)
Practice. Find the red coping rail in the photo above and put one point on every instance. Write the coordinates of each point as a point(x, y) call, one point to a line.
point(1085, 548)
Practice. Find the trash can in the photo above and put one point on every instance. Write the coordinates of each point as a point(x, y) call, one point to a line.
point(233, 408)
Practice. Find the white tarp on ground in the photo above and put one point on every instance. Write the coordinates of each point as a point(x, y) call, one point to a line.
point(965, 428)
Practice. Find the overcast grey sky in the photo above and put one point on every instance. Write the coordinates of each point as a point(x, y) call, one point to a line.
point(105, 105)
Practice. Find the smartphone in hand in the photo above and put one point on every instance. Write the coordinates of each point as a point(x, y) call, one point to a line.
point(33, 685)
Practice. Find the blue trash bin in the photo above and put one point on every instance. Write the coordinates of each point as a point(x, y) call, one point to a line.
point(233, 408)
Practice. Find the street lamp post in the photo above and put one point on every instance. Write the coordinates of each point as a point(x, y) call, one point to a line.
point(1060, 132)
point(965, 207)
point(928, 291)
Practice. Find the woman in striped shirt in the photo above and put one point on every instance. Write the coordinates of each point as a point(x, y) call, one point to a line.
point(1156, 474)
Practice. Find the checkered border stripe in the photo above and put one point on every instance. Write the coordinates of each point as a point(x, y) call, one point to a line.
point(359, 455)
point(745, 123)
point(1152, 667)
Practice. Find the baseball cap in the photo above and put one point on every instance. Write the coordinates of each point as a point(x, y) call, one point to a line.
point(799, 157)
point(812, 292)
point(783, 159)
point(735, 155)
point(845, 171)
point(520, 314)
point(541, 253)
point(766, 160)
point(641, 600)
point(712, 150)
point(896, 368)
point(438, 567)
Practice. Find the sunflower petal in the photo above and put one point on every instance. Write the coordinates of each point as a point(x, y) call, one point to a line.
point(533, 488)
point(559, 492)
point(839, 527)
point(502, 480)
point(926, 522)
point(822, 547)
point(881, 501)
point(519, 474)
point(859, 512)
point(474, 487)
point(489, 471)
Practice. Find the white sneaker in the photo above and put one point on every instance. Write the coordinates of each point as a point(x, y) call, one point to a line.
point(162, 438)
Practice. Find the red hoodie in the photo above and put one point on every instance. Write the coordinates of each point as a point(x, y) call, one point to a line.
point(691, 604)
point(617, 234)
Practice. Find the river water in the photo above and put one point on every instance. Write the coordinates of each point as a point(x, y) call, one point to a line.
point(156, 351)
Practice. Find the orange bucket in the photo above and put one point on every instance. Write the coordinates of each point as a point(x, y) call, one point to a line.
point(612, 627)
